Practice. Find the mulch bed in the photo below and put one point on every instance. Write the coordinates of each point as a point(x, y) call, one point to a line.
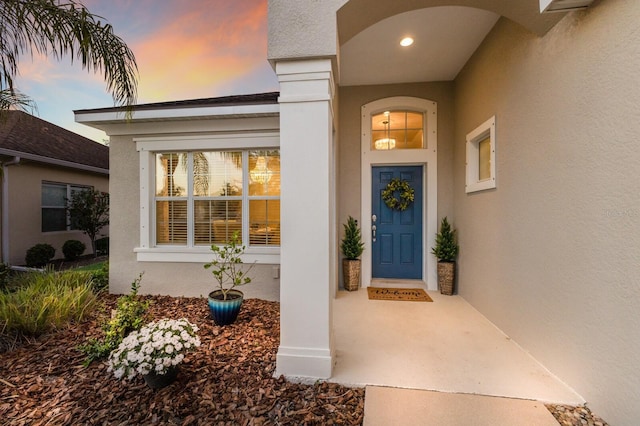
point(568, 415)
point(228, 381)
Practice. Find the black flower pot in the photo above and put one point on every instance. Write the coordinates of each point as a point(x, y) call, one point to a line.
point(159, 381)
point(225, 312)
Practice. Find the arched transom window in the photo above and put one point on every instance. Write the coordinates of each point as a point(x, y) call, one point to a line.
point(397, 129)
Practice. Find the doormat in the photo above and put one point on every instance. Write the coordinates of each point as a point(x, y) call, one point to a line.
point(403, 294)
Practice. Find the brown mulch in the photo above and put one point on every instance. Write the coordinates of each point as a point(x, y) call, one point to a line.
point(228, 381)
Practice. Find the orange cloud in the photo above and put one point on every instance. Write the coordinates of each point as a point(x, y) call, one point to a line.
point(201, 50)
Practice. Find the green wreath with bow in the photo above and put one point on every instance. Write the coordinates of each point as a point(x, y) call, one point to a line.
point(405, 192)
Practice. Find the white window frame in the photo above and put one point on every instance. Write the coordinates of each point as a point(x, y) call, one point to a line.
point(147, 251)
point(480, 133)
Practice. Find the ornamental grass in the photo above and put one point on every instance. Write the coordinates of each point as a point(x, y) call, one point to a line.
point(44, 301)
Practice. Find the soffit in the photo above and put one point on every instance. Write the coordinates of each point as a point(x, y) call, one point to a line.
point(356, 15)
point(445, 38)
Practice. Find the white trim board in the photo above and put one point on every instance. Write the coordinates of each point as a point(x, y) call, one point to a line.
point(427, 157)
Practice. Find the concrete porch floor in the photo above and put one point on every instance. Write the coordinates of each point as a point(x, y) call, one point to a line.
point(445, 346)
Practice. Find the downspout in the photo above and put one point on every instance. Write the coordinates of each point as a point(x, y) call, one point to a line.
point(5, 208)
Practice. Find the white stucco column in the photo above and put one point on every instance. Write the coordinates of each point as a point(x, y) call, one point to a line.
point(306, 139)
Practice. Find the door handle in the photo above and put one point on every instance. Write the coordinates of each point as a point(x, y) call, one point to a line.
point(373, 231)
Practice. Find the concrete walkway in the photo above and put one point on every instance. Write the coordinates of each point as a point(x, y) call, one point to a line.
point(406, 407)
point(445, 346)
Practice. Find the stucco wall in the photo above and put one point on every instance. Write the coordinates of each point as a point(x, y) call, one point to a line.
point(551, 256)
point(25, 207)
point(174, 278)
point(302, 28)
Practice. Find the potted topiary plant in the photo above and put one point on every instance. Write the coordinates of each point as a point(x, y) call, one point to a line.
point(352, 247)
point(446, 250)
point(226, 267)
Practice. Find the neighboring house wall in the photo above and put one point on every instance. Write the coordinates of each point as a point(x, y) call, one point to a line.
point(161, 277)
point(25, 207)
point(551, 256)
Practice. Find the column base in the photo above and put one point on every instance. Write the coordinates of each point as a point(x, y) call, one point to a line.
point(304, 362)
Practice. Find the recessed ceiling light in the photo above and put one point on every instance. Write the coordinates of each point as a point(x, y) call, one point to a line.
point(407, 41)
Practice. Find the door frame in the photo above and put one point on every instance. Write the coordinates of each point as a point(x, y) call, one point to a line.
point(428, 158)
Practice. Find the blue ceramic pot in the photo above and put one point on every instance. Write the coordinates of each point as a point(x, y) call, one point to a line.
point(225, 312)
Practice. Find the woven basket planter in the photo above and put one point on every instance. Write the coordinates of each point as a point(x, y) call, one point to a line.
point(446, 276)
point(351, 274)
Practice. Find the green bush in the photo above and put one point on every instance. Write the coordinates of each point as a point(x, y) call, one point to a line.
point(102, 246)
point(100, 278)
point(39, 255)
point(352, 245)
point(446, 248)
point(73, 249)
point(46, 301)
point(130, 315)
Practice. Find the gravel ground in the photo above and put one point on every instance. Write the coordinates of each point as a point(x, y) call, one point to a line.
point(575, 416)
point(228, 381)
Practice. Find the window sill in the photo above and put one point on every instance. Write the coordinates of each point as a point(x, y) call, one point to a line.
point(202, 255)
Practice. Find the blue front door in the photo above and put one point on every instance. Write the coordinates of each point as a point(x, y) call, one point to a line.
point(397, 246)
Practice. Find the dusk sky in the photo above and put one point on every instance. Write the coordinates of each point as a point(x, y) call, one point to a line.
point(185, 49)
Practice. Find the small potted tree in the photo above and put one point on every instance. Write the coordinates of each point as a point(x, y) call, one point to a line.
point(352, 247)
point(446, 250)
point(227, 270)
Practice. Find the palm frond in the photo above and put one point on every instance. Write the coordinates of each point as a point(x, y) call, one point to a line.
point(15, 100)
point(201, 172)
point(57, 29)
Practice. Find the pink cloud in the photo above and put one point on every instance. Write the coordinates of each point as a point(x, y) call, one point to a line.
point(202, 49)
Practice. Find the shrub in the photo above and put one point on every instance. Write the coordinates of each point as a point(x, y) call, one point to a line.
point(446, 248)
point(130, 315)
point(102, 246)
point(73, 249)
point(89, 211)
point(40, 255)
point(352, 245)
point(46, 301)
point(100, 278)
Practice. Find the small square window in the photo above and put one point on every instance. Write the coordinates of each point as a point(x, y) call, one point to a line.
point(481, 157)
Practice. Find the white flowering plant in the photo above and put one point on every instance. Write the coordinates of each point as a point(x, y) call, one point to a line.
point(155, 348)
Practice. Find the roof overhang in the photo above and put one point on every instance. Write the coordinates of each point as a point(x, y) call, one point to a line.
point(107, 116)
point(53, 161)
point(552, 6)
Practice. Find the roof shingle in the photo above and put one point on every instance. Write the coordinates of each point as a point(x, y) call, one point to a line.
point(24, 133)
point(252, 99)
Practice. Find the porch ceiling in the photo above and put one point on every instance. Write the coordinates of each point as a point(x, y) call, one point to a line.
point(445, 38)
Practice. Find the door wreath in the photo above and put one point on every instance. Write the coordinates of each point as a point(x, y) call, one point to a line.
point(405, 198)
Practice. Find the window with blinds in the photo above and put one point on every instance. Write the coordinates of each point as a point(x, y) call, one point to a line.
point(54, 205)
point(264, 198)
point(204, 197)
